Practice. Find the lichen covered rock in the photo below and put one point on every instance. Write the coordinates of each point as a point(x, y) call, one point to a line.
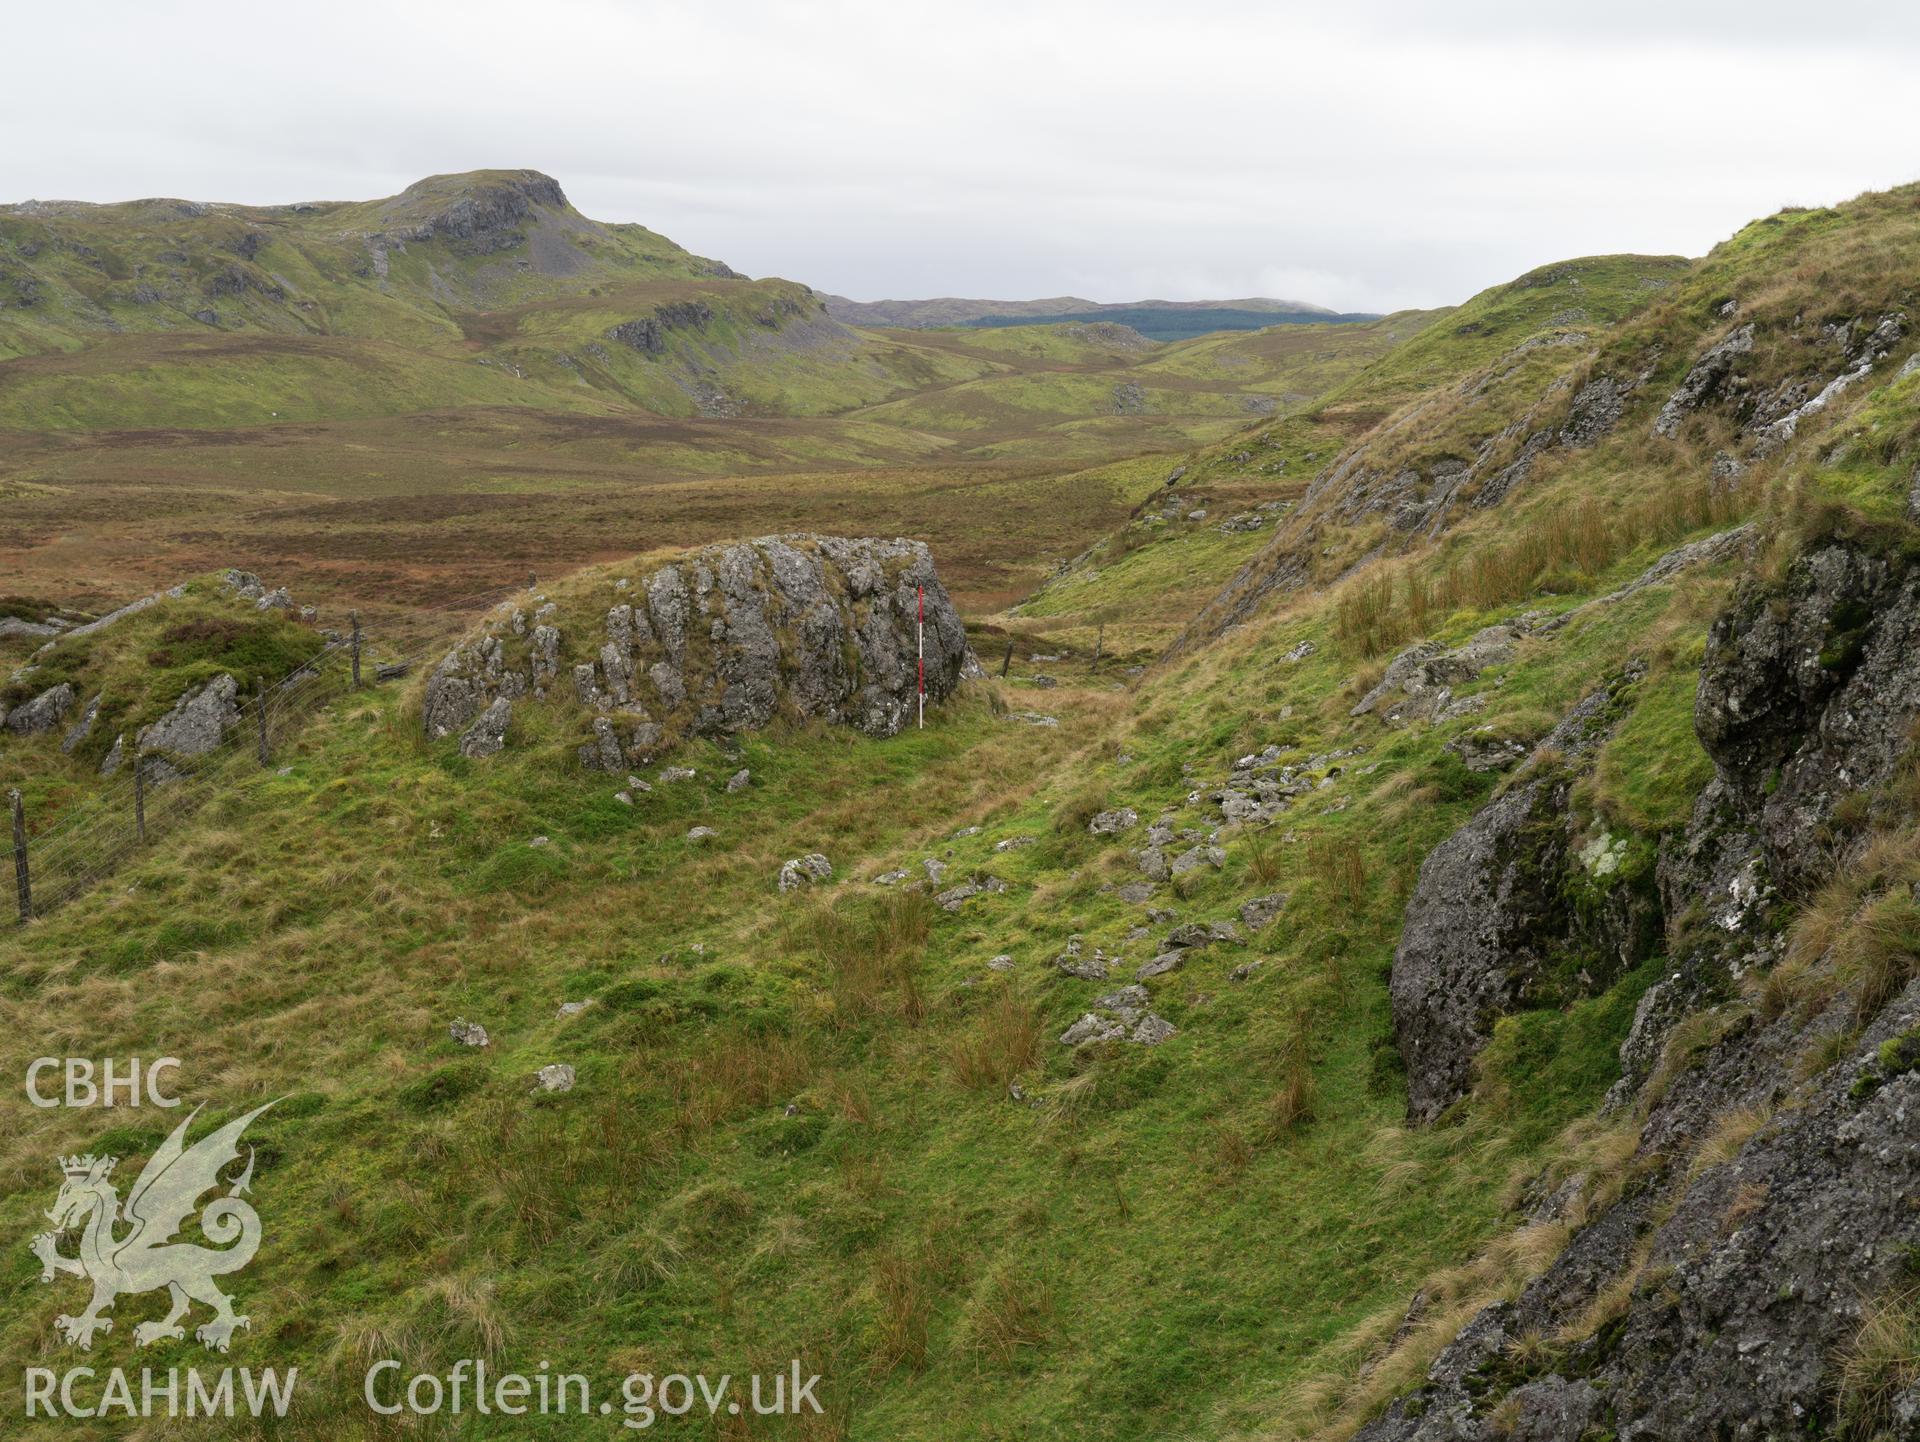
point(1488, 929)
point(723, 640)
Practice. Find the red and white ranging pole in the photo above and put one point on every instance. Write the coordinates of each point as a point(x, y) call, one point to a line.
point(920, 646)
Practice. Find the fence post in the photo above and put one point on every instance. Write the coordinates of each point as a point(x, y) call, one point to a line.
point(22, 881)
point(356, 648)
point(1006, 660)
point(260, 706)
point(532, 584)
point(140, 796)
point(1099, 640)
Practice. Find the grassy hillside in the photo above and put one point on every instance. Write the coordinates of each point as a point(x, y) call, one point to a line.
point(840, 1124)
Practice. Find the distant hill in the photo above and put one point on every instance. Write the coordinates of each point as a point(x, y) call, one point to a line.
point(486, 288)
point(1156, 319)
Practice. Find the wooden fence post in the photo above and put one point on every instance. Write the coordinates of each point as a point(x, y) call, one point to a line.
point(356, 648)
point(260, 706)
point(1099, 640)
point(140, 796)
point(22, 881)
point(1006, 660)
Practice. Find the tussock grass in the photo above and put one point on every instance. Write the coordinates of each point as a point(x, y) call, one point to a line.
point(1878, 1363)
point(1004, 1043)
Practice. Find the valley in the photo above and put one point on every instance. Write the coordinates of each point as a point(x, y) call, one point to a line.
point(1404, 928)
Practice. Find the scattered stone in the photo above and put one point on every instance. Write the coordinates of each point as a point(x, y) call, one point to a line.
point(539, 841)
point(1153, 864)
point(1197, 934)
point(1255, 915)
point(935, 869)
point(1014, 843)
point(1092, 1028)
point(625, 798)
point(468, 1033)
point(670, 774)
point(1135, 892)
point(1043, 681)
point(1482, 751)
point(1301, 652)
point(809, 869)
point(574, 1008)
point(557, 1077)
point(1127, 1003)
point(1165, 962)
point(1034, 718)
point(891, 878)
point(701, 833)
point(275, 600)
point(964, 832)
point(1244, 970)
point(634, 783)
point(1152, 1030)
point(740, 780)
point(1086, 968)
point(954, 899)
point(1002, 962)
point(1110, 823)
point(1188, 860)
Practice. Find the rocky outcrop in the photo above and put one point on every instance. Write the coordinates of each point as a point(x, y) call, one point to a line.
point(488, 734)
point(1742, 1279)
point(43, 713)
point(198, 722)
point(726, 640)
point(1770, 1201)
point(1418, 684)
point(1707, 378)
point(648, 334)
point(486, 217)
point(1488, 929)
point(1808, 694)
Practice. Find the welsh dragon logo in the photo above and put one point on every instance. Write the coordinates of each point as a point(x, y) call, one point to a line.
point(146, 1258)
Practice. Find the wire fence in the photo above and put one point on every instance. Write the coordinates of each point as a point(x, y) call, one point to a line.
point(153, 793)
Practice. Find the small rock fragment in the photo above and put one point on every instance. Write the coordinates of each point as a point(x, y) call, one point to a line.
point(468, 1033)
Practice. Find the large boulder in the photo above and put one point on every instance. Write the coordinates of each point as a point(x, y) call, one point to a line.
point(726, 639)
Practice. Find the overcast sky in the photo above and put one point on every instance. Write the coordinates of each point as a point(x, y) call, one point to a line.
point(1359, 155)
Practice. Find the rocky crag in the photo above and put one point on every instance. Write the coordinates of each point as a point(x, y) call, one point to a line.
point(724, 640)
point(1771, 1079)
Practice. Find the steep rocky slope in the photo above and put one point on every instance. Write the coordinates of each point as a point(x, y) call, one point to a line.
point(1768, 1204)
